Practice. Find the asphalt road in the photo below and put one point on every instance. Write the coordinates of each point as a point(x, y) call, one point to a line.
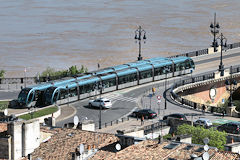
point(126, 100)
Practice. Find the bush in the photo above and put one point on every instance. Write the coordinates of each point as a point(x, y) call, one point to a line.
point(2, 72)
point(217, 139)
point(53, 74)
point(167, 136)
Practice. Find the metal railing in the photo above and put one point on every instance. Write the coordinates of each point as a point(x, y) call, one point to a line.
point(111, 123)
point(191, 104)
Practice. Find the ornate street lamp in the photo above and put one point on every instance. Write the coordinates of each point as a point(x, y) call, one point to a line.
point(214, 30)
point(138, 37)
point(100, 87)
point(166, 70)
point(231, 85)
point(223, 42)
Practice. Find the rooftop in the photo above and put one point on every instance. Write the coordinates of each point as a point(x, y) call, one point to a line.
point(64, 141)
point(3, 127)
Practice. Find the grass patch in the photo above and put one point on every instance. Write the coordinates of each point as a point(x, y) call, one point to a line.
point(39, 113)
point(4, 105)
point(217, 124)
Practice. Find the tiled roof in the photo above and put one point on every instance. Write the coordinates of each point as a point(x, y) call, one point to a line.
point(224, 155)
point(151, 150)
point(64, 141)
point(3, 127)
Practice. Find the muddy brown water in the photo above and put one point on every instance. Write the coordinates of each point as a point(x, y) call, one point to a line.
point(60, 33)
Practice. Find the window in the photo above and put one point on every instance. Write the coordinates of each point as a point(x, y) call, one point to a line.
point(109, 83)
point(73, 92)
point(145, 74)
point(158, 71)
point(127, 78)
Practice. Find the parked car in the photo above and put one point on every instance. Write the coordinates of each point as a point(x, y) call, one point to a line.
point(231, 127)
point(175, 115)
point(146, 113)
point(104, 102)
point(203, 122)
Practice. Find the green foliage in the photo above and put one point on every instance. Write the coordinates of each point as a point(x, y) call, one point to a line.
point(208, 102)
point(4, 105)
point(217, 139)
point(167, 136)
point(39, 113)
point(2, 72)
point(51, 72)
point(237, 104)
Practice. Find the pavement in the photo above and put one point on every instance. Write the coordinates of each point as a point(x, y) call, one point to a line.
point(132, 123)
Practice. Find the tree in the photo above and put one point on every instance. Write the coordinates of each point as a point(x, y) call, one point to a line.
point(2, 72)
point(83, 69)
point(217, 139)
point(73, 70)
point(50, 72)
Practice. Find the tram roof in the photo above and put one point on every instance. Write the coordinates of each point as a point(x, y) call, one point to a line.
point(126, 71)
point(90, 80)
point(157, 59)
point(180, 59)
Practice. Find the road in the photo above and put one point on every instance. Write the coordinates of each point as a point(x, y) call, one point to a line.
point(125, 101)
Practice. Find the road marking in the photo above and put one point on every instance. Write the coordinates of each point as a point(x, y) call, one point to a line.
point(119, 97)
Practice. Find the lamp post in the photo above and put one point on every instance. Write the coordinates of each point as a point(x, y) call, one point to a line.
point(231, 85)
point(166, 72)
point(222, 40)
point(138, 37)
point(214, 30)
point(100, 110)
point(25, 78)
point(67, 94)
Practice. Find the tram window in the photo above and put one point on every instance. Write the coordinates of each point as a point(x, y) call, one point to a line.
point(55, 96)
point(132, 77)
point(122, 80)
point(146, 74)
point(128, 78)
point(81, 89)
point(30, 96)
point(73, 92)
point(109, 83)
point(158, 71)
point(63, 93)
point(192, 64)
point(187, 64)
point(179, 66)
point(168, 69)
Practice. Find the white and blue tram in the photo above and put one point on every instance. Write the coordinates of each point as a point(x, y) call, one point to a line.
point(105, 80)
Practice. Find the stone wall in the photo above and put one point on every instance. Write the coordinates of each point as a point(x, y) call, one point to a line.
point(25, 137)
point(5, 147)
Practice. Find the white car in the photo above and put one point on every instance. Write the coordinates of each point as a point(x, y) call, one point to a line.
point(204, 122)
point(104, 102)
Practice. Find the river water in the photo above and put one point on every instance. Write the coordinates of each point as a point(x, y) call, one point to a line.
point(61, 33)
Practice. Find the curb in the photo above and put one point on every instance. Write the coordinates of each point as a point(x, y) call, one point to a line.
point(66, 117)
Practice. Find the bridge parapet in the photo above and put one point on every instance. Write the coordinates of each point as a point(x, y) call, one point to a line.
point(200, 87)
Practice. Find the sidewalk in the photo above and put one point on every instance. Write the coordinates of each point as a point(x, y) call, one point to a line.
point(131, 124)
point(66, 112)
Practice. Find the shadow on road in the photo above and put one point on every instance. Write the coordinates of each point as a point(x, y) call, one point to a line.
point(94, 108)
